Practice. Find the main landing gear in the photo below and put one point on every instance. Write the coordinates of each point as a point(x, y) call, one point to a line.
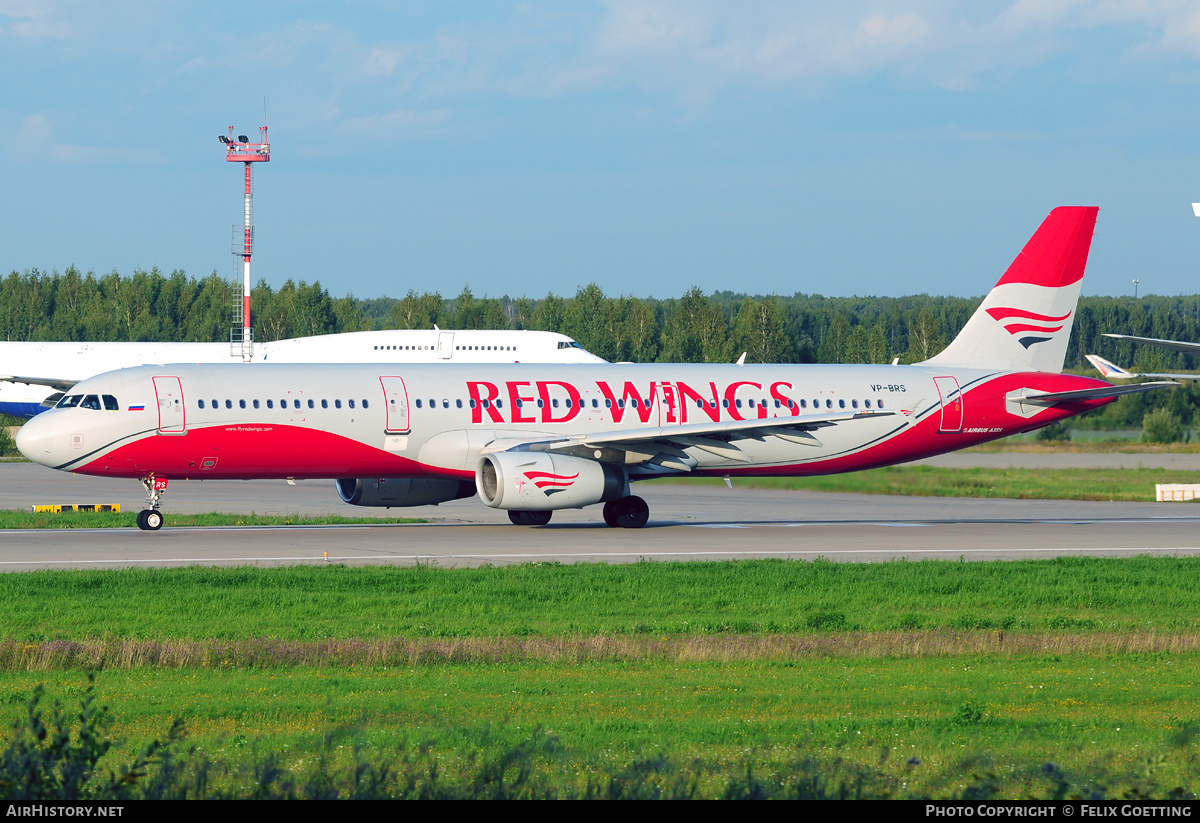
point(627, 513)
point(151, 519)
point(529, 518)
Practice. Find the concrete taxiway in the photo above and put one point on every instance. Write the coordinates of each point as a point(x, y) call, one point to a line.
point(688, 521)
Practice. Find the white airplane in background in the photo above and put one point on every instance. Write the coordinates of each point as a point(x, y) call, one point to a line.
point(37, 374)
point(1111, 371)
point(534, 438)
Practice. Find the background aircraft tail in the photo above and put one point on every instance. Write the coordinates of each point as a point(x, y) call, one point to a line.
point(1025, 322)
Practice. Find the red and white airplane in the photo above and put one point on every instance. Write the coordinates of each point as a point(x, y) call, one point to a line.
point(533, 438)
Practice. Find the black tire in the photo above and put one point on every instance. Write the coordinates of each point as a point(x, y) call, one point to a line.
point(154, 520)
point(517, 518)
point(610, 513)
point(141, 519)
point(633, 512)
point(538, 518)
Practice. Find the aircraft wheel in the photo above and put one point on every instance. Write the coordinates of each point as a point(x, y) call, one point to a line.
point(538, 518)
point(610, 513)
point(153, 520)
point(517, 518)
point(141, 519)
point(632, 512)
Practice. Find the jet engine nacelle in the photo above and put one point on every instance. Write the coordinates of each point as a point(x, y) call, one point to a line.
point(537, 481)
point(402, 491)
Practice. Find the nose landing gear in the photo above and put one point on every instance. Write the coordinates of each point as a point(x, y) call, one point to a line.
point(151, 519)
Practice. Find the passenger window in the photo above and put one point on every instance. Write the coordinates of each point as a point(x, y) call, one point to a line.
point(364, 404)
point(829, 404)
point(295, 404)
point(445, 404)
point(554, 402)
point(256, 403)
point(854, 404)
point(312, 404)
point(337, 404)
point(241, 404)
point(867, 403)
point(324, 404)
point(110, 403)
point(595, 403)
point(200, 403)
point(418, 402)
point(458, 403)
point(879, 404)
point(841, 404)
point(472, 402)
point(270, 404)
point(228, 403)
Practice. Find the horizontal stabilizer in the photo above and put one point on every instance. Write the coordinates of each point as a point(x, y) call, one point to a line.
point(1098, 393)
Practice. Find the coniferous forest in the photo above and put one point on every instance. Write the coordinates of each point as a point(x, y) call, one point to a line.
point(694, 327)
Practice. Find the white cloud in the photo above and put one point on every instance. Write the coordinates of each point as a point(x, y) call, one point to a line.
point(392, 124)
point(34, 140)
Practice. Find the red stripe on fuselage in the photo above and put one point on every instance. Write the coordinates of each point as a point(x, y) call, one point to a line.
point(983, 410)
point(255, 452)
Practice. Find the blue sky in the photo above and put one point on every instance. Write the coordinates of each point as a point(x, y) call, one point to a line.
point(879, 148)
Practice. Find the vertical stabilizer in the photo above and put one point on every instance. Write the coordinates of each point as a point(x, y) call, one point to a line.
point(1025, 322)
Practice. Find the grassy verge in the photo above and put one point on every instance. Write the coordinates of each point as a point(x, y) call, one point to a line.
point(753, 678)
point(910, 727)
point(20, 519)
point(752, 597)
point(1132, 485)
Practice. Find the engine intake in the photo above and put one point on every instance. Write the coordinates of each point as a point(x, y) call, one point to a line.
point(402, 491)
point(537, 481)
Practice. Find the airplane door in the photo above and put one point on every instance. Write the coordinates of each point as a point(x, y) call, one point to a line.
point(169, 394)
point(670, 411)
point(952, 405)
point(445, 349)
point(395, 400)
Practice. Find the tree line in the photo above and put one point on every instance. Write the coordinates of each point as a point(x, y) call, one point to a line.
point(693, 328)
point(801, 328)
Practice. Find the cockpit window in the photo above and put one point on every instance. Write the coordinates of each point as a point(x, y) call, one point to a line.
point(568, 344)
point(111, 404)
point(90, 402)
point(70, 401)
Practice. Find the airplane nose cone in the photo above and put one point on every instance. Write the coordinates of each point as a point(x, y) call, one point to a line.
point(35, 439)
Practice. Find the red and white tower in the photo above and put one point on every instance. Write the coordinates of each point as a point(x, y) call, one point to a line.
point(241, 150)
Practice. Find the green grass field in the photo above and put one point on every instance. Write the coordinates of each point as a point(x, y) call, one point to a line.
point(782, 678)
point(1134, 485)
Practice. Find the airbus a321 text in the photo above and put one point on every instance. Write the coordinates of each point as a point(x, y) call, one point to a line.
point(534, 438)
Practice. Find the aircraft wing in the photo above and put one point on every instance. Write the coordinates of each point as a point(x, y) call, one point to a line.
point(667, 443)
point(1177, 345)
point(1110, 371)
point(1050, 398)
point(56, 383)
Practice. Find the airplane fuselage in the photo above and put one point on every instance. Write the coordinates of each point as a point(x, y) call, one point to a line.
point(415, 420)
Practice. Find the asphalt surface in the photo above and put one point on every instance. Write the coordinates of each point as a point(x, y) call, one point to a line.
point(687, 521)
